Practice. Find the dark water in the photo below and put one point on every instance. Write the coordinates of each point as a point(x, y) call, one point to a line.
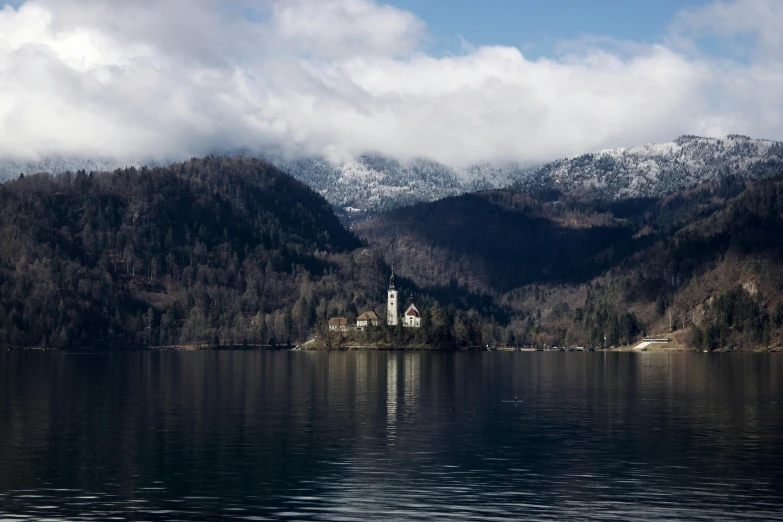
point(358, 436)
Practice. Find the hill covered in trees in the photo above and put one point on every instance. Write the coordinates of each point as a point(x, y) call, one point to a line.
point(227, 251)
point(210, 252)
point(705, 263)
point(215, 250)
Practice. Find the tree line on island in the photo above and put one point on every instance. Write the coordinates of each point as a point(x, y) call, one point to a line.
point(231, 251)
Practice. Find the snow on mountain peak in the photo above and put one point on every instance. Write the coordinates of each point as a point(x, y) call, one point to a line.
point(654, 169)
point(378, 183)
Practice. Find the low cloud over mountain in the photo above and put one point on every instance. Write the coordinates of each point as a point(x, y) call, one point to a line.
point(160, 80)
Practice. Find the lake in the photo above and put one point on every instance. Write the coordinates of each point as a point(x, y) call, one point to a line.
point(390, 436)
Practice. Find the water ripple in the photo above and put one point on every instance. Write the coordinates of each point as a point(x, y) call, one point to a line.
point(390, 436)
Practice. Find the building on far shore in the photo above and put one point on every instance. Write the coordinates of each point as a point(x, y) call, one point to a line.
point(392, 314)
point(338, 324)
point(367, 319)
point(412, 317)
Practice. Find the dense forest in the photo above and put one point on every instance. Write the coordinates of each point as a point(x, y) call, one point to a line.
point(705, 264)
point(212, 251)
point(232, 251)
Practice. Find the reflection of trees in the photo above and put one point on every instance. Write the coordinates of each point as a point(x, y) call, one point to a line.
point(253, 426)
point(392, 377)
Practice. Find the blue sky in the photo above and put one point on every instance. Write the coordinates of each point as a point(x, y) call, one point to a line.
point(535, 27)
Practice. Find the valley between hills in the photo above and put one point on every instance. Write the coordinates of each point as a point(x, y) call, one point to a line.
point(234, 252)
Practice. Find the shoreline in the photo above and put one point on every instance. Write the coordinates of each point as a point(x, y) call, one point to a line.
point(312, 346)
point(361, 348)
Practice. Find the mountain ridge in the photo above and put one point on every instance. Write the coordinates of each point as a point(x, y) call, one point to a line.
point(368, 185)
point(656, 169)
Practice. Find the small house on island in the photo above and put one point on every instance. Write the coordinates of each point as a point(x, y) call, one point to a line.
point(338, 324)
point(412, 317)
point(367, 319)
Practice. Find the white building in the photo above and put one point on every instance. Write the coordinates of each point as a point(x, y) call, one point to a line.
point(392, 313)
point(412, 317)
point(367, 319)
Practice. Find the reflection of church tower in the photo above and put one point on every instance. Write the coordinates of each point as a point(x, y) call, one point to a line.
point(392, 316)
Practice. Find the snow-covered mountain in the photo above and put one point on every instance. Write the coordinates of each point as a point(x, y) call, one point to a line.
point(369, 185)
point(380, 184)
point(656, 169)
point(376, 184)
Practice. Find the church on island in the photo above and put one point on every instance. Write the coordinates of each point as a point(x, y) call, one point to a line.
point(412, 316)
point(410, 319)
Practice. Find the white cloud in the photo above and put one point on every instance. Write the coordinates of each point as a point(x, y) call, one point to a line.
point(346, 27)
point(164, 79)
point(749, 26)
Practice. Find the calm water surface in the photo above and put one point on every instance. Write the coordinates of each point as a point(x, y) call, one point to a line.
point(359, 436)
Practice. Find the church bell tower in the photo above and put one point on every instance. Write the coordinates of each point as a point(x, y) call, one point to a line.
point(392, 315)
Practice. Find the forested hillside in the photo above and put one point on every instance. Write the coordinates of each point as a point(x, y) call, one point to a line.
point(227, 251)
point(216, 250)
point(705, 263)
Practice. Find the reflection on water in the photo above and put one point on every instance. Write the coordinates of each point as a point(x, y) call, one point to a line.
point(412, 379)
point(391, 397)
point(368, 435)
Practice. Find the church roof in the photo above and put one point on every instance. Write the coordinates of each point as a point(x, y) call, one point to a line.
point(412, 310)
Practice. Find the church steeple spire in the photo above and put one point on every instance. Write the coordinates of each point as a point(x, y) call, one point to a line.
point(392, 310)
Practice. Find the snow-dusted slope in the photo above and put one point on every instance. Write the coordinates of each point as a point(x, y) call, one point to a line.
point(377, 184)
point(55, 165)
point(381, 184)
point(655, 169)
point(372, 184)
